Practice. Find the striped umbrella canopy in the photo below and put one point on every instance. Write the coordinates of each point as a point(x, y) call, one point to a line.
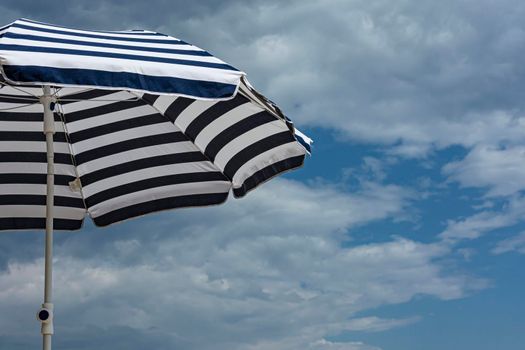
point(120, 124)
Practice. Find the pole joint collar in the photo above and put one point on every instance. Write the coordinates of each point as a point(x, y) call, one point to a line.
point(48, 101)
point(45, 316)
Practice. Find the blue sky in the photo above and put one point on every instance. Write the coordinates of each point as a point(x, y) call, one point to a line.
point(404, 230)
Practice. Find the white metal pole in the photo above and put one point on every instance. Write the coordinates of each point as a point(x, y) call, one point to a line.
point(45, 314)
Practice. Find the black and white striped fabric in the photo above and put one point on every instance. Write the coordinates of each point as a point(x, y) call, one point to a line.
point(23, 166)
point(37, 53)
point(144, 122)
point(122, 154)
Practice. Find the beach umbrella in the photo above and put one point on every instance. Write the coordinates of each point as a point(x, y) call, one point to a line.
point(120, 124)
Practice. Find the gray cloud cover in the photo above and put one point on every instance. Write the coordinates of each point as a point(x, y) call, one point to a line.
point(277, 278)
point(410, 76)
point(416, 74)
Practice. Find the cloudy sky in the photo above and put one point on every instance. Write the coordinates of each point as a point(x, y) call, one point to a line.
point(404, 230)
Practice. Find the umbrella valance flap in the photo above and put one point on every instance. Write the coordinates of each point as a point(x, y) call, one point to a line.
point(36, 53)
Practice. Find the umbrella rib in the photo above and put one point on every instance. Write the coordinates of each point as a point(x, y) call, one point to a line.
point(60, 98)
point(61, 114)
point(98, 100)
point(16, 88)
point(17, 107)
point(256, 97)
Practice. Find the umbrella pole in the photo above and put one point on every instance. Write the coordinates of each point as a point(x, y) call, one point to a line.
point(45, 314)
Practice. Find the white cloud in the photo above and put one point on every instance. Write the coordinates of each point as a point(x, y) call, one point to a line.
point(293, 343)
point(501, 170)
point(376, 324)
point(482, 222)
point(324, 344)
point(413, 75)
point(516, 243)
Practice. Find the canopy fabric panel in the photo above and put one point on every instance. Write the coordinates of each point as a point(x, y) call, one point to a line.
point(23, 166)
point(132, 160)
point(245, 138)
point(36, 53)
point(121, 154)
